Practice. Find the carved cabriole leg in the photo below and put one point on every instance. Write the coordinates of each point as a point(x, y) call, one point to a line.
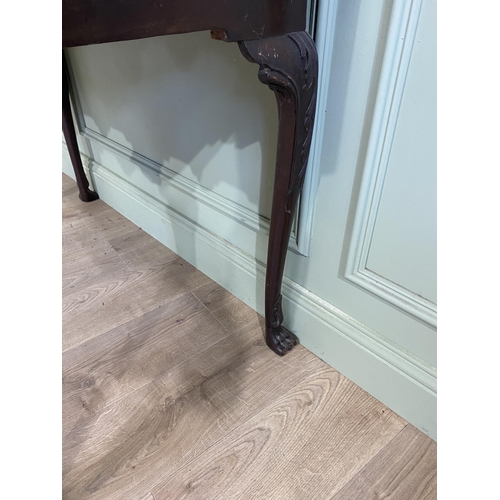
point(289, 66)
point(70, 135)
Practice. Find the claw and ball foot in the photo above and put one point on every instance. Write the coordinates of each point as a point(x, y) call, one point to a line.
point(288, 64)
point(281, 340)
point(278, 338)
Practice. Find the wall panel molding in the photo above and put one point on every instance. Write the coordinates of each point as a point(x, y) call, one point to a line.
point(400, 40)
point(324, 38)
point(238, 213)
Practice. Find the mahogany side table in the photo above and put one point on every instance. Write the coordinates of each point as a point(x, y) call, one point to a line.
point(270, 33)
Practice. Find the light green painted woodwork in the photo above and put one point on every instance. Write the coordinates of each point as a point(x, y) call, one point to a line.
point(403, 247)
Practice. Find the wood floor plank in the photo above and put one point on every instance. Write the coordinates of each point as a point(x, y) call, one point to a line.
point(76, 211)
point(103, 221)
point(108, 367)
point(68, 183)
point(75, 232)
point(306, 445)
point(138, 250)
point(179, 374)
point(147, 496)
point(83, 267)
point(123, 297)
point(405, 468)
point(76, 235)
point(152, 432)
point(108, 224)
point(228, 309)
point(84, 259)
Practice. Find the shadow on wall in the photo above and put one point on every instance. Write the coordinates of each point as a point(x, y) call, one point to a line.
point(189, 103)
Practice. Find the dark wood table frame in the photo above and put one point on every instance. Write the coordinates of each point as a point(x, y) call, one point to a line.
point(270, 33)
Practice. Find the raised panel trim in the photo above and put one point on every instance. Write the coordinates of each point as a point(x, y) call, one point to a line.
point(324, 38)
point(400, 40)
point(418, 307)
point(237, 212)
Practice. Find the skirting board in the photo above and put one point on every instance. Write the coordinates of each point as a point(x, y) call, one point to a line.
point(401, 382)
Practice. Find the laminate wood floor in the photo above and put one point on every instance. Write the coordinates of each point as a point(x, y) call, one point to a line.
point(169, 390)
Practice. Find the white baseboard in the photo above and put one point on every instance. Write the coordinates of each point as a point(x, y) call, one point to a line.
point(402, 382)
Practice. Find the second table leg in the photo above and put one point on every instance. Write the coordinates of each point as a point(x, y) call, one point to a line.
point(70, 136)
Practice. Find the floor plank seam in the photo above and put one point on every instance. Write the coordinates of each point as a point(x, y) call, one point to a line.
point(233, 331)
point(171, 297)
point(120, 257)
point(211, 314)
point(357, 474)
